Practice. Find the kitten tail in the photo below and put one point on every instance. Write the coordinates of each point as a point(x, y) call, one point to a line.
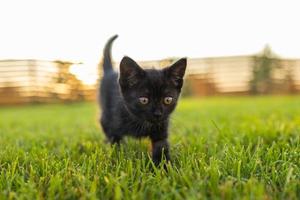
point(107, 64)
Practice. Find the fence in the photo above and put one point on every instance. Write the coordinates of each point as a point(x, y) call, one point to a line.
point(227, 75)
point(24, 81)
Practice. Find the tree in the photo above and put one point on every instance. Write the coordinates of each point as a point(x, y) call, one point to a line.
point(263, 66)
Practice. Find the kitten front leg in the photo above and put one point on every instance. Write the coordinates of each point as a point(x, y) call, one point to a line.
point(160, 149)
point(115, 140)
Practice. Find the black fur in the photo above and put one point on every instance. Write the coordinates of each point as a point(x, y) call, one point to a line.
point(123, 113)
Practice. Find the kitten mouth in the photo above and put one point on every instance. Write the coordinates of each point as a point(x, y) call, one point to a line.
point(156, 120)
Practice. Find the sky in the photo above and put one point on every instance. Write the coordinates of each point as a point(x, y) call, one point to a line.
point(77, 30)
point(147, 29)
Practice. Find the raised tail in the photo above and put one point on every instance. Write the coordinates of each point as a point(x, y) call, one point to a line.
point(107, 64)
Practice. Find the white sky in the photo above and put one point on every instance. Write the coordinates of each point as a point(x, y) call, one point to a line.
point(77, 30)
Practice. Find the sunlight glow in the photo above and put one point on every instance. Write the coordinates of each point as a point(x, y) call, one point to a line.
point(85, 73)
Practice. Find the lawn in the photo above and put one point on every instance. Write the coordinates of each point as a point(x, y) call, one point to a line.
point(221, 147)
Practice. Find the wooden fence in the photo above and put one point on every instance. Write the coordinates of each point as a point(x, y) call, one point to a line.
point(26, 81)
point(232, 75)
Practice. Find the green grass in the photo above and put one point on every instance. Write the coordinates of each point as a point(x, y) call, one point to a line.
point(222, 148)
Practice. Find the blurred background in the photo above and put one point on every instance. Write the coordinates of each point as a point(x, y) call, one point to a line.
point(51, 51)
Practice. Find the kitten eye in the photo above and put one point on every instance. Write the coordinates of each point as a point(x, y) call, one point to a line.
point(168, 100)
point(144, 100)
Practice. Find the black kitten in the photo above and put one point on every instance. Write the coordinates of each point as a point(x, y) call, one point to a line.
point(139, 102)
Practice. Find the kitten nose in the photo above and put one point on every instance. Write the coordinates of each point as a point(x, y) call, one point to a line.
point(157, 113)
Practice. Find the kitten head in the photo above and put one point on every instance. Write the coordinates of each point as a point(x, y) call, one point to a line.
point(151, 94)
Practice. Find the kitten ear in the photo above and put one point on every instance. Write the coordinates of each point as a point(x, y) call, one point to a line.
point(130, 71)
point(176, 72)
